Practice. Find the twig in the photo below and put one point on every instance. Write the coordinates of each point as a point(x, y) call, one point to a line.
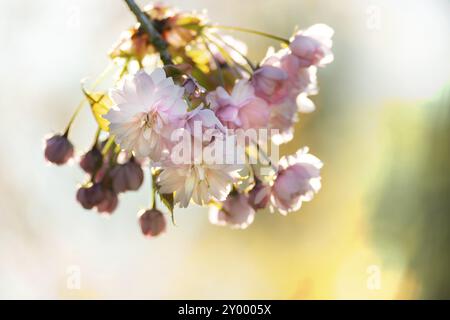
point(155, 37)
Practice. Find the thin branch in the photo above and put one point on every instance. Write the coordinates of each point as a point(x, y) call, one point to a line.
point(149, 28)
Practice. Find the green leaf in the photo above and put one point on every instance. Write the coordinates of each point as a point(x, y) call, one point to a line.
point(167, 200)
point(100, 105)
point(173, 71)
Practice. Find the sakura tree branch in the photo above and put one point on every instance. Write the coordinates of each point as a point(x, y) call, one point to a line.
point(149, 28)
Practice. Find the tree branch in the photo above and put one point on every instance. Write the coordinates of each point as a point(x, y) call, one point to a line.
point(155, 37)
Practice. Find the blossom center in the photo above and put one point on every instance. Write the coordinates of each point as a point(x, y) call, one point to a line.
point(147, 123)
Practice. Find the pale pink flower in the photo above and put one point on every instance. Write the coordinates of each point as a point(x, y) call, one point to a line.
point(300, 79)
point(199, 120)
point(235, 212)
point(297, 180)
point(259, 196)
point(290, 96)
point(313, 45)
point(304, 103)
point(146, 110)
point(240, 109)
point(270, 83)
point(200, 182)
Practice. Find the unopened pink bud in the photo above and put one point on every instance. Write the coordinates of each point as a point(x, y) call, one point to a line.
point(91, 161)
point(313, 46)
point(109, 202)
point(127, 177)
point(58, 149)
point(152, 222)
point(90, 196)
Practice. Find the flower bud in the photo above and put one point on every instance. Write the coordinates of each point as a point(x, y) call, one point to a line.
point(58, 149)
point(83, 199)
point(103, 175)
point(109, 202)
point(189, 86)
point(152, 222)
point(259, 196)
point(91, 161)
point(91, 196)
point(298, 179)
point(127, 176)
point(313, 46)
point(193, 88)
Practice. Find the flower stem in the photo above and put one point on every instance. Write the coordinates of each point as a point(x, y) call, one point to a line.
point(108, 145)
point(73, 117)
point(216, 62)
point(266, 157)
point(246, 30)
point(124, 68)
point(97, 135)
point(155, 38)
point(153, 186)
point(226, 56)
point(80, 105)
point(249, 62)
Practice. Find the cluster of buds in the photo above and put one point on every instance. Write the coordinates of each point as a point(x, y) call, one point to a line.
point(201, 122)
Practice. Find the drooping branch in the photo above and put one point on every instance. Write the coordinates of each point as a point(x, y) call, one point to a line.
point(155, 37)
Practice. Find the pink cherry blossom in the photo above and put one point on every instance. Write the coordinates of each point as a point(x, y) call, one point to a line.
point(313, 46)
point(282, 118)
point(284, 114)
point(146, 110)
point(270, 83)
point(178, 123)
point(289, 96)
point(201, 182)
point(259, 196)
point(299, 79)
point(205, 119)
point(235, 212)
point(240, 109)
point(298, 179)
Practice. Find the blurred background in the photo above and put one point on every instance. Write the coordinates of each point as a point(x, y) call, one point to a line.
point(378, 229)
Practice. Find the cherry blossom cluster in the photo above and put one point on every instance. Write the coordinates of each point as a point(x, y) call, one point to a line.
point(186, 97)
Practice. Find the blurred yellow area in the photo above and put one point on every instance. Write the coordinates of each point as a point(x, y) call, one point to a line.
point(378, 229)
